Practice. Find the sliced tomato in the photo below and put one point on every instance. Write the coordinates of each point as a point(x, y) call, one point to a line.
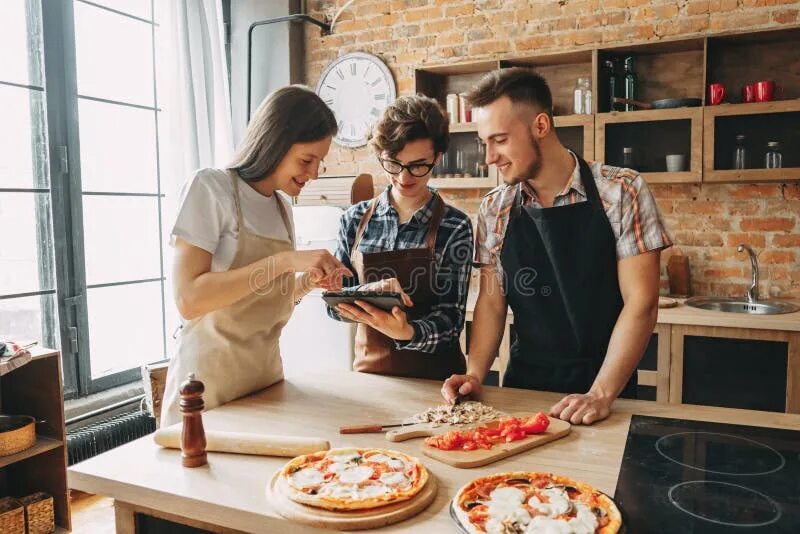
point(469, 445)
point(536, 424)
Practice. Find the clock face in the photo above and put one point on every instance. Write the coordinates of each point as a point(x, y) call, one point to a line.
point(357, 87)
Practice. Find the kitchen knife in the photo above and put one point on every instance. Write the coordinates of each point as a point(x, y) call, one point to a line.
point(369, 429)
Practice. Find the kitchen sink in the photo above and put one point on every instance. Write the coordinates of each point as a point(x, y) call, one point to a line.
point(741, 305)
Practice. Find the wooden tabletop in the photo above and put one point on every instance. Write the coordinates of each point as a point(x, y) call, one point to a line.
point(688, 315)
point(230, 491)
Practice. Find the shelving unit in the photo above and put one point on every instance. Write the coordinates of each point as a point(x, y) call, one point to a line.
point(670, 68)
point(653, 134)
point(35, 389)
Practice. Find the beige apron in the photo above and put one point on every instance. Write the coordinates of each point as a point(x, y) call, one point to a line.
point(234, 350)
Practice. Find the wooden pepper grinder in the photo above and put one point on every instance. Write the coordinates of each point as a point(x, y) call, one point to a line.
point(193, 436)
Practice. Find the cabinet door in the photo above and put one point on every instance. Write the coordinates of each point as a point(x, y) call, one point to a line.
point(735, 373)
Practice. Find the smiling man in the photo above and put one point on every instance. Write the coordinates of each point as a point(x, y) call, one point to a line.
point(409, 241)
point(573, 248)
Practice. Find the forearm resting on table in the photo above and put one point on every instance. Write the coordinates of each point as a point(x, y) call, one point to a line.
point(199, 291)
point(626, 346)
point(488, 325)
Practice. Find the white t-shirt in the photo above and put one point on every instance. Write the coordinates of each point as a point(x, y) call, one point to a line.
point(206, 215)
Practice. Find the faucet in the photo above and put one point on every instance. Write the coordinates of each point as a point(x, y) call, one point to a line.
point(752, 293)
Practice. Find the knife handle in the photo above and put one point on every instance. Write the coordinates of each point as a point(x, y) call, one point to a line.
point(361, 429)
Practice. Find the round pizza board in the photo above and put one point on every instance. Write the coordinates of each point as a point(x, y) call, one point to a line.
point(278, 495)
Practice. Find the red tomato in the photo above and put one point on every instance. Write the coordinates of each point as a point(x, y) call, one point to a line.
point(536, 424)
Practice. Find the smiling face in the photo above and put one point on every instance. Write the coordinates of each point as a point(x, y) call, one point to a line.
point(300, 164)
point(419, 151)
point(510, 132)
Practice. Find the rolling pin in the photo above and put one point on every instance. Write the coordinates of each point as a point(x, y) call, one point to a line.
point(245, 443)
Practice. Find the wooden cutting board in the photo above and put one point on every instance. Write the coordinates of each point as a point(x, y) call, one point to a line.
point(278, 495)
point(468, 459)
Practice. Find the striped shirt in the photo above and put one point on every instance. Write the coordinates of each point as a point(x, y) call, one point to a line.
point(454, 248)
point(628, 202)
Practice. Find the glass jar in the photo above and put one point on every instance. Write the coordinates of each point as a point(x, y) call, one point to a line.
point(627, 157)
point(582, 96)
point(740, 153)
point(481, 170)
point(774, 159)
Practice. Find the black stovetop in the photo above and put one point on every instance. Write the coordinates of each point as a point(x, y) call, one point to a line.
point(694, 477)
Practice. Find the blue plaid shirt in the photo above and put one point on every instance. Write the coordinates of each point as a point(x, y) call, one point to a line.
point(454, 248)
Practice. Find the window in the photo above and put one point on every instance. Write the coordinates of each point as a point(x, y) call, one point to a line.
point(80, 187)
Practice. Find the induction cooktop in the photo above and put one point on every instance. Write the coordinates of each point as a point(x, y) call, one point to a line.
point(694, 477)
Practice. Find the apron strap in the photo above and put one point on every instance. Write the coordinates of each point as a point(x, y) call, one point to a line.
point(362, 226)
point(589, 185)
point(284, 215)
point(433, 228)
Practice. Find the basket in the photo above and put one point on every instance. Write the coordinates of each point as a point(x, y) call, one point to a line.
point(17, 433)
point(12, 516)
point(39, 513)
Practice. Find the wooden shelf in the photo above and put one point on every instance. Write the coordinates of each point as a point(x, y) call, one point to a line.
point(685, 177)
point(565, 121)
point(647, 115)
point(753, 108)
point(42, 445)
point(752, 175)
point(582, 143)
point(464, 127)
point(463, 183)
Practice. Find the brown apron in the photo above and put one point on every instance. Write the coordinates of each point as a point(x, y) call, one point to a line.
point(415, 269)
point(234, 351)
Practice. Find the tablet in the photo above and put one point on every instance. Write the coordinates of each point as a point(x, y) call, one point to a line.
point(385, 300)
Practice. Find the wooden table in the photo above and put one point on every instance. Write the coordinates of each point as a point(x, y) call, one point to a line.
point(229, 495)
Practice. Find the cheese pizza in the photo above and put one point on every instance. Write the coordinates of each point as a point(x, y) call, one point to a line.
point(353, 479)
point(529, 502)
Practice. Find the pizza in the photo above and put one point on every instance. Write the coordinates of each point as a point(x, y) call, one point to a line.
point(353, 479)
point(529, 502)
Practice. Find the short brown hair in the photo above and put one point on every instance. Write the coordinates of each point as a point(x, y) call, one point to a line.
point(410, 118)
point(521, 85)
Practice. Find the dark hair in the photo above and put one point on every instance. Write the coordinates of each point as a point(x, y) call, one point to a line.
point(521, 85)
point(289, 115)
point(410, 118)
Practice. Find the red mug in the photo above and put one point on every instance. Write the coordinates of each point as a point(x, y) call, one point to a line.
point(716, 93)
point(765, 90)
point(748, 93)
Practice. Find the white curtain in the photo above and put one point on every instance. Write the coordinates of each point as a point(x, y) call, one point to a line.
point(195, 128)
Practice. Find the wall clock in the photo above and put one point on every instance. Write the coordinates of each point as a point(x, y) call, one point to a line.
point(357, 87)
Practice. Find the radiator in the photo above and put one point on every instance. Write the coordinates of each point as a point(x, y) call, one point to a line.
point(88, 441)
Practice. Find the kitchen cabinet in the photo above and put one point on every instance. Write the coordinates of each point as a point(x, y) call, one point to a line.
point(735, 368)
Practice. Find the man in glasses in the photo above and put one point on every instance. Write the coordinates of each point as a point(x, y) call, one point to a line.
point(409, 241)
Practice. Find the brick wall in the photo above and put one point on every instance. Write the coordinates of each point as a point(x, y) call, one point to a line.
point(706, 221)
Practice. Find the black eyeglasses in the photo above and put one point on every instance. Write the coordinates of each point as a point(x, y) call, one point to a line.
point(414, 169)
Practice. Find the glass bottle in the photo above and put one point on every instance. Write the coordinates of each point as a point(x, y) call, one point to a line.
point(581, 93)
point(774, 159)
point(740, 153)
point(481, 170)
point(613, 85)
point(631, 83)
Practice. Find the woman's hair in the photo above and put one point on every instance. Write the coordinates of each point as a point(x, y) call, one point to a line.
point(410, 118)
point(289, 115)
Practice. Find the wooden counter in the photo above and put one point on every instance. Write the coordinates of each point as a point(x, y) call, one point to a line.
point(230, 491)
point(688, 315)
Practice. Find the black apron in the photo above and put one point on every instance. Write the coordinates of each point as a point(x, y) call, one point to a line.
point(560, 267)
